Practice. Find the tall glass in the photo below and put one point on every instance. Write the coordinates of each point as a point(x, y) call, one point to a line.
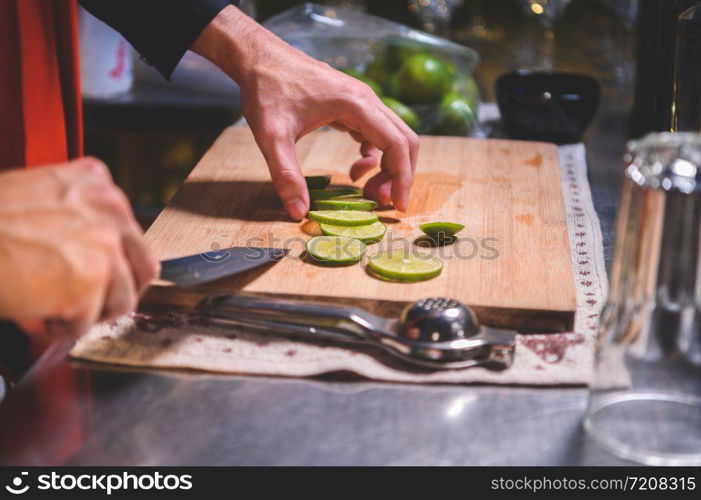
point(645, 401)
point(686, 104)
point(654, 75)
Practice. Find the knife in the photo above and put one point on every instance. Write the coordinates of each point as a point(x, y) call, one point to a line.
point(209, 266)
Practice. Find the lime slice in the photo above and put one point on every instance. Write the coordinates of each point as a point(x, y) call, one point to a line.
point(317, 181)
point(327, 194)
point(344, 204)
point(404, 265)
point(441, 229)
point(336, 249)
point(343, 217)
point(367, 234)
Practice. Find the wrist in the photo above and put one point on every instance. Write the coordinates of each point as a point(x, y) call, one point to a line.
point(230, 41)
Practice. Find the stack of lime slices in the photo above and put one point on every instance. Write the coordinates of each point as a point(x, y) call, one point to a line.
point(348, 224)
point(346, 220)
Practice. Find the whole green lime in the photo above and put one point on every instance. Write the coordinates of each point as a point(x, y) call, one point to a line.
point(392, 88)
point(467, 86)
point(378, 70)
point(365, 79)
point(424, 78)
point(456, 116)
point(404, 112)
point(399, 50)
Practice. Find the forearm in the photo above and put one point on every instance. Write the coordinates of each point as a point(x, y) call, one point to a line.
point(235, 43)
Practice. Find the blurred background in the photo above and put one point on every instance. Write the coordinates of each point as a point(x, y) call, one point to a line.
point(152, 132)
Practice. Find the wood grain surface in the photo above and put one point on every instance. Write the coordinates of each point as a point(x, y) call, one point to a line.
point(512, 263)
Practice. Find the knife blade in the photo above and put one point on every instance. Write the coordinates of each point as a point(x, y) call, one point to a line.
point(209, 266)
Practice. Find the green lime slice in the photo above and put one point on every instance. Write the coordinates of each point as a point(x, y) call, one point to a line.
point(327, 194)
point(367, 234)
point(343, 217)
point(441, 229)
point(317, 181)
point(336, 249)
point(404, 266)
point(344, 204)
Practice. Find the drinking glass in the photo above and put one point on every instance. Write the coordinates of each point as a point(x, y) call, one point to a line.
point(645, 400)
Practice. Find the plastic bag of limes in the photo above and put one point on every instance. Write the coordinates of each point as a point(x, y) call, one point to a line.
point(425, 79)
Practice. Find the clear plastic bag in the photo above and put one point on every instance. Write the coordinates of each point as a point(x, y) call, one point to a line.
point(426, 80)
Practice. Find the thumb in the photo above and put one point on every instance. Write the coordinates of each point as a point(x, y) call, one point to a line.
point(286, 175)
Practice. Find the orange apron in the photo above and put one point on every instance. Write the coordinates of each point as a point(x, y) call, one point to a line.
point(40, 107)
point(40, 123)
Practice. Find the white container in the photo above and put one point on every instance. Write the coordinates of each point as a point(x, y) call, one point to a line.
point(106, 59)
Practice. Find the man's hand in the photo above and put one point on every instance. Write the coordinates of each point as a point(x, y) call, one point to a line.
point(71, 252)
point(287, 94)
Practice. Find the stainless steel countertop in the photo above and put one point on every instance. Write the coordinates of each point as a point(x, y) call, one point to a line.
point(116, 417)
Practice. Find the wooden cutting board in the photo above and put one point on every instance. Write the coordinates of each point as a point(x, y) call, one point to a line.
point(512, 263)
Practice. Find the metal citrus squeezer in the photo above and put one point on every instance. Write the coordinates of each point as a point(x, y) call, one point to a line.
point(433, 333)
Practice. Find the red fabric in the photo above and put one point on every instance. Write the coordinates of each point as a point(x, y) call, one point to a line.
point(41, 123)
point(40, 106)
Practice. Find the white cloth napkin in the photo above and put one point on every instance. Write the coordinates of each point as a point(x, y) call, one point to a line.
point(181, 340)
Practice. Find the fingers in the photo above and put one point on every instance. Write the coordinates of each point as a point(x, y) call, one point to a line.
point(102, 304)
point(85, 314)
point(413, 138)
point(143, 264)
point(371, 157)
point(287, 178)
point(122, 294)
point(49, 330)
point(89, 169)
point(381, 131)
point(115, 205)
point(60, 329)
point(132, 264)
point(378, 188)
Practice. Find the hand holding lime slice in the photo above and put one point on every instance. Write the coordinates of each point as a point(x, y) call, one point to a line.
point(317, 181)
point(404, 266)
point(344, 204)
point(335, 249)
point(440, 230)
point(343, 217)
point(369, 233)
point(327, 194)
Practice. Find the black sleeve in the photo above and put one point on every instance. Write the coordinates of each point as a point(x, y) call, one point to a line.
point(160, 30)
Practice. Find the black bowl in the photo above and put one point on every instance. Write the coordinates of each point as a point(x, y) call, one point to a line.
point(547, 106)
